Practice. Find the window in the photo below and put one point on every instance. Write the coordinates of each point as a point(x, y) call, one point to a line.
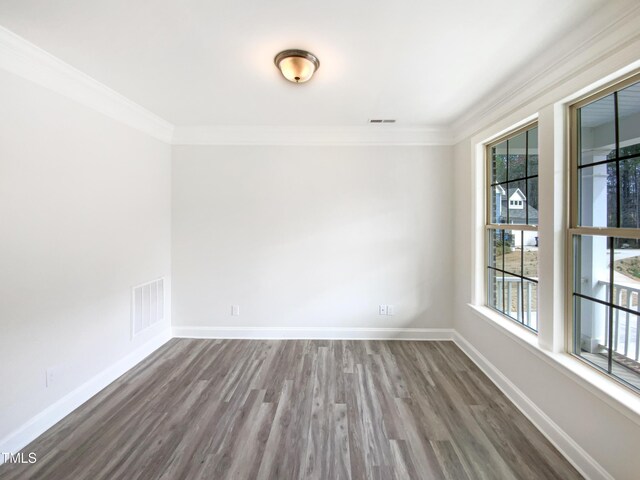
point(605, 230)
point(511, 226)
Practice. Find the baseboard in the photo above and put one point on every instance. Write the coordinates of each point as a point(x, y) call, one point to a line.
point(315, 333)
point(573, 452)
point(37, 425)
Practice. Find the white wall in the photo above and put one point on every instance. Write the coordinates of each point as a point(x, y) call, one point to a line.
point(84, 216)
point(311, 236)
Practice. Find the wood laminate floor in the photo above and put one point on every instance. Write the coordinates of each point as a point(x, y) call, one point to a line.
point(215, 409)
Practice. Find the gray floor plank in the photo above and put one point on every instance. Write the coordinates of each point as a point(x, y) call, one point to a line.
point(201, 409)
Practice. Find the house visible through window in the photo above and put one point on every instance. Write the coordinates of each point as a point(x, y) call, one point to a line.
point(511, 226)
point(605, 230)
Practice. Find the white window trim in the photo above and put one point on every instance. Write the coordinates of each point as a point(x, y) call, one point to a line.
point(479, 209)
point(573, 227)
point(550, 342)
point(486, 145)
point(552, 176)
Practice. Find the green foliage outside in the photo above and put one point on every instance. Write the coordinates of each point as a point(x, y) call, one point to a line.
point(629, 267)
point(517, 170)
point(629, 186)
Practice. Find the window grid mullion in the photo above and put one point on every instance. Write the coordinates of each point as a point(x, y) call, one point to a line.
point(522, 274)
point(617, 150)
point(611, 300)
point(529, 177)
point(526, 182)
point(499, 239)
point(507, 192)
point(600, 333)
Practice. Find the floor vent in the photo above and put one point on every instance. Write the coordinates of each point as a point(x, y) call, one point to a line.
point(382, 120)
point(147, 305)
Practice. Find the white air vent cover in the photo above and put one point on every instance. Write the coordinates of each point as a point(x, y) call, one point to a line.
point(147, 305)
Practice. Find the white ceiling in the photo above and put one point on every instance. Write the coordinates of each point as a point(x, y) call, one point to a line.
point(210, 62)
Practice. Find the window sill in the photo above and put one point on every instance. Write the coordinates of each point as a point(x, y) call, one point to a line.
point(608, 390)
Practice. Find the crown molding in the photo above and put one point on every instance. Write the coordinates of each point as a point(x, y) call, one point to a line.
point(374, 135)
point(23, 58)
point(598, 40)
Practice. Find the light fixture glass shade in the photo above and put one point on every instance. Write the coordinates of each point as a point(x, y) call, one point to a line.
point(297, 66)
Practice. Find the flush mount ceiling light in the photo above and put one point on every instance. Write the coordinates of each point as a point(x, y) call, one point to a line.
point(297, 66)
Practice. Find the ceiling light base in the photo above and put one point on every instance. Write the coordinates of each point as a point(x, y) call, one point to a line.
point(297, 66)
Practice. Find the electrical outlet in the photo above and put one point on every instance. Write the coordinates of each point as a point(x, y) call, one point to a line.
point(391, 310)
point(51, 376)
point(235, 310)
point(382, 310)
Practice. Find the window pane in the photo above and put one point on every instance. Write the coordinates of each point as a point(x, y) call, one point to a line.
point(498, 212)
point(517, 156)
point(597, 131)
point(514, 203)
point(494, 290)
point(592, 278)
point(597, 195)
point(513, 296)
point(591, 266)
point(496, 255)
point(533, 152)
point(513, 252)
point(591, 324)
point(625, 347)
point(626, 277)
point(530, 255)
point(629, 120)
point(499, 163)
point(530, 294)
point(606, 273)
point(630, 193)
point(532, 198)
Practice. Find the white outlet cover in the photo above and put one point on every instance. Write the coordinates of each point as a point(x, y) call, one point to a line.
point(391, 310)
point(51, 375)
point(235, 310)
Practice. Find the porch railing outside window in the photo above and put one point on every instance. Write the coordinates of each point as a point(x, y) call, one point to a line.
point(511, 226)
point(605, 230)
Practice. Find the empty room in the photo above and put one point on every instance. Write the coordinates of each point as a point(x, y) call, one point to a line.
point(320, 240)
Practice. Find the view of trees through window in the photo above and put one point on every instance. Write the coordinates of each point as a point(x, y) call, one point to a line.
point(606, 263)
point(512, 257)
point(629, 190)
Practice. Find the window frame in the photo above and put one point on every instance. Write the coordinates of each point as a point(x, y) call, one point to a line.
point(488, 225)
point(573, 202)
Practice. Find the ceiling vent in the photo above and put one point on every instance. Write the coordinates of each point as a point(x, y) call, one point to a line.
point(382, 120)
